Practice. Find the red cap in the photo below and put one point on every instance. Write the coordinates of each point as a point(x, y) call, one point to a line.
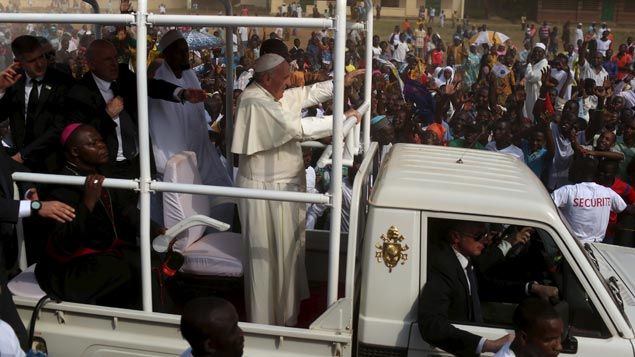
point(68, 130)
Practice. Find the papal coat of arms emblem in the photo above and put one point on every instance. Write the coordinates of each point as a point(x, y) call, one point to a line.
point(390, 249)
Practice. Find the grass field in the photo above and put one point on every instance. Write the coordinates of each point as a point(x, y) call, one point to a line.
point(384, 27)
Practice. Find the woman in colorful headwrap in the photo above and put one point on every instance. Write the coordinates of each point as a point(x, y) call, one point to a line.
point(382, 131)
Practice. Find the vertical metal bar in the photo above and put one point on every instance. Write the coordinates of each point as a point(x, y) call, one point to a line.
point(144, 156)
point(368, 76)
point(336, 177)
point(229, 91)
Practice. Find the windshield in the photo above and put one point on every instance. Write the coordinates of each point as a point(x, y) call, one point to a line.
point(587, 250)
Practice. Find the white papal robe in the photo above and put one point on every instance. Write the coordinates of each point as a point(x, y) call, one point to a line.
point(533, 76)
point(176, 127)
point(267, 139)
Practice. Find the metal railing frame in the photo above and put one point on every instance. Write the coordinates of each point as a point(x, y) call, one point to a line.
point(145, 186)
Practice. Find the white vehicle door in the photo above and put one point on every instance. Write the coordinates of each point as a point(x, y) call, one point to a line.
point(590, 331)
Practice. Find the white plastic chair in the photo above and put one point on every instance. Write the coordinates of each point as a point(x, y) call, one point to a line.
point(24, 284)
point(186, 216)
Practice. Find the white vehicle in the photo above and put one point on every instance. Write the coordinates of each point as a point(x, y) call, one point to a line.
point(417, 187)
point(394, 215)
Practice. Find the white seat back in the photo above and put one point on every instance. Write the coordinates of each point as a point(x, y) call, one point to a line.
point(182, 168)
point(25, 284)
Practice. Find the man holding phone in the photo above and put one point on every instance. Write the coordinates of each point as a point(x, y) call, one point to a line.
point(34, 106)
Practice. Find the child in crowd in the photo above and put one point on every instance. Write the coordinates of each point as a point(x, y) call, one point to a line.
point(604, 149)
point(536, 155)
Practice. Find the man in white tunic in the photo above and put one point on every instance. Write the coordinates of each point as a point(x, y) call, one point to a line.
point(267, 139)
point(176, 127)
point(536, 64)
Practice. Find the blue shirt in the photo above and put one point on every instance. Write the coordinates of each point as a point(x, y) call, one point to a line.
point(610, 67)
point(535, 160)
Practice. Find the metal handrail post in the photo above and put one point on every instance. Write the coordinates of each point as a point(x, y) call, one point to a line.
point(260, 21)
point(240, 192)
point(144, 157)
point(73, 180)
point(229, 90)
point(368, 76)
point(104, 19)
point(365, 169)
point(338, 149)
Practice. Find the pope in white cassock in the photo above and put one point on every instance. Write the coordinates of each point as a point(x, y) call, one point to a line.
point(267, 137)
point(537, 63)
point(176, 127)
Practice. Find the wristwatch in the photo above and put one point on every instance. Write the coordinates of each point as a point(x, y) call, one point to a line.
point(35, 206)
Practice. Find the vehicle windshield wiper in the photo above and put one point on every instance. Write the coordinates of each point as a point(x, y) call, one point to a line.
point(592, 257)
point(612, 283)
point(614, 288)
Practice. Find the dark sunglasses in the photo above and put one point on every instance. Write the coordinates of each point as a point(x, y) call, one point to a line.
point(476, 237)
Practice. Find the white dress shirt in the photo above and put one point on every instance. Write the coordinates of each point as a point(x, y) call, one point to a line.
point(464, 262)
point(107, 94)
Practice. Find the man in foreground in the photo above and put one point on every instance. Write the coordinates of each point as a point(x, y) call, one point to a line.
point(538, 329)
point(210, 326)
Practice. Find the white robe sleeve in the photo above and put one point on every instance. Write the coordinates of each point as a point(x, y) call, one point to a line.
point(534, 75)
point(310, 95)
point(317, 128)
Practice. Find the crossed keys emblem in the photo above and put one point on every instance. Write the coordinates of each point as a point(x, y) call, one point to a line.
point(390, 249)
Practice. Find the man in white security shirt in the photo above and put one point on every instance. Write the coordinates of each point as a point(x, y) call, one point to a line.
point(587, 205)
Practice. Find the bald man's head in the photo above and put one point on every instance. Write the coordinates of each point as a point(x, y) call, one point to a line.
point(101, 56)
point(210, 325)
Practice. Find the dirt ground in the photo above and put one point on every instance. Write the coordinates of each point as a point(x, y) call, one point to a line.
point(383, 28)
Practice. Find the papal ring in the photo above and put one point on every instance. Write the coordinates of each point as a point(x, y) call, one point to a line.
point(95, 181)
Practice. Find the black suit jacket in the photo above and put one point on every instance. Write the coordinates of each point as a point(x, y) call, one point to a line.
point(86, 104)
point(43, 152)
point(9, 210)
point(444, 299)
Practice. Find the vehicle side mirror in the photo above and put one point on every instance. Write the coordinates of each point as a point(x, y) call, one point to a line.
point(569, 345)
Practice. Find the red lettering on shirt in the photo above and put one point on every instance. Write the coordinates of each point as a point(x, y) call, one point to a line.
point(592, 202)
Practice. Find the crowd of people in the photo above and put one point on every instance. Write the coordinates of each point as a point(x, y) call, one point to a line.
point(68, 102)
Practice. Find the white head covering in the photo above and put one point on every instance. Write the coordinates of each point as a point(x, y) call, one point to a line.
point(267, 61)
point(169, 38)
point(540, 45)
point(442, 77)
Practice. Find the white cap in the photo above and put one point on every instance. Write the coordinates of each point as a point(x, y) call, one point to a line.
point(540, 45)
point(169, 38)
point(267, 61)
